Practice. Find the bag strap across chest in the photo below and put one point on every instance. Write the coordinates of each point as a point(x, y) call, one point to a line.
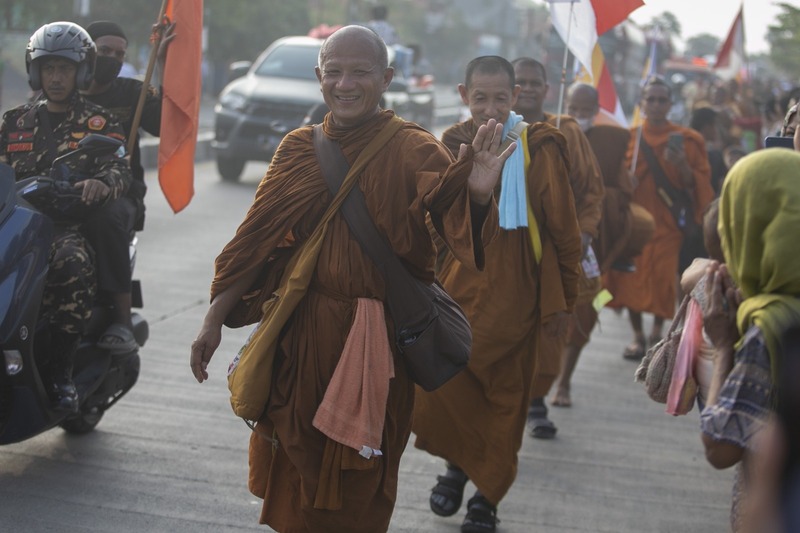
point(404, 298)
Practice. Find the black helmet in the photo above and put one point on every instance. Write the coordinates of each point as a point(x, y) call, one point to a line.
point(61, 39)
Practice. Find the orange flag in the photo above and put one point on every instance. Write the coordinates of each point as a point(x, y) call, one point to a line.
point(180, 105)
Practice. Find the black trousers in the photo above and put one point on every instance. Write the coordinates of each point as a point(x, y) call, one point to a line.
point(109, 232)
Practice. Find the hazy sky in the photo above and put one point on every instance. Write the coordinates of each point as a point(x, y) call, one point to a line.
point(716, 16)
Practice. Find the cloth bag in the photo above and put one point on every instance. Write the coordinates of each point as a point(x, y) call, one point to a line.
point(431, 330)
point(250, 373)
point(655, 370)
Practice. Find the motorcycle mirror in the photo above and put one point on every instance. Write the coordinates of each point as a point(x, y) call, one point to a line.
point(94, 144)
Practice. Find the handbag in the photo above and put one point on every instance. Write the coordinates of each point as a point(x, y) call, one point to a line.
point(658, 364)
point(250, 373)
point(431, 331)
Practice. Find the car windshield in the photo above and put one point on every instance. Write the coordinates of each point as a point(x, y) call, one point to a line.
point(290, 61)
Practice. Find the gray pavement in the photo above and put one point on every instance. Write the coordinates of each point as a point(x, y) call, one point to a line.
point(172, 457)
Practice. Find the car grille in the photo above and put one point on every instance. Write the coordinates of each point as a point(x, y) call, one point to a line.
point(278, 110)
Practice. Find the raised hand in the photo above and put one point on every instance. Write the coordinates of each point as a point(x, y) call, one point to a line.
point(487, 161)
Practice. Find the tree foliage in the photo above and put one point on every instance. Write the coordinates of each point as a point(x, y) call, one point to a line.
point(784, 40)
point(702, 45)
point(241, 30)
point(668, 23)
point(236, 30)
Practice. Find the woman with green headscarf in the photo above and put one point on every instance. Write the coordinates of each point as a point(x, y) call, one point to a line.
point(753, 300)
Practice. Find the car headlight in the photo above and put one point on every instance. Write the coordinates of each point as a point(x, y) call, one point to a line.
point(233, 100)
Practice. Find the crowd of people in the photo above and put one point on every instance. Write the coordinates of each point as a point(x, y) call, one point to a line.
point(576, 209)
point(526, 218)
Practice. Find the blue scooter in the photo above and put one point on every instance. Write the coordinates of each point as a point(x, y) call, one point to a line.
point(101, 376)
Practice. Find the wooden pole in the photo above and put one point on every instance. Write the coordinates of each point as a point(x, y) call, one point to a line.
point(137, 116)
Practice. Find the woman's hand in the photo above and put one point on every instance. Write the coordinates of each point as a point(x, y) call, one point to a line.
point(723, 299)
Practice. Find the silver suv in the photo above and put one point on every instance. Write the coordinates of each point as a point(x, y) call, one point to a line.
point(255, 111)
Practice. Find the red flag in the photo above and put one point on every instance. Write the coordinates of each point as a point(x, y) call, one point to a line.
point(580, 22)
point(609, 13)
point(731, 57)
point(180, 106)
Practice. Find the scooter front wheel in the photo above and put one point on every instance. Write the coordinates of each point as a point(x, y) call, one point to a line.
point(83, 422)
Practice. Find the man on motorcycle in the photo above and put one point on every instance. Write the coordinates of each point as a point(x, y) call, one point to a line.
point(60, 60)
point(110, 231)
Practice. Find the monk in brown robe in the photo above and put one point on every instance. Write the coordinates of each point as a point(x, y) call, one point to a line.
point(652, 287)
point(624, 227)
point(587, 187)
point(309, 482)
point(477, 420)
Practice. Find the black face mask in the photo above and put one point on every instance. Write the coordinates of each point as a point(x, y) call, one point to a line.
point(106, 69)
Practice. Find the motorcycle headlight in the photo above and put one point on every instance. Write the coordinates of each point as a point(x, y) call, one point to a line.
point(233, 100)
point(13, 360)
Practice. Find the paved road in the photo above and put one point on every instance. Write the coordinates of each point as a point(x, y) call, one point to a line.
point(171, 457)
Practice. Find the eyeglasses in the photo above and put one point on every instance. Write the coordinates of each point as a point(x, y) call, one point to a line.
point(656, 99)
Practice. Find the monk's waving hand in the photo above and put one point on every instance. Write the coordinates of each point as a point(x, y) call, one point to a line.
point(487, 161)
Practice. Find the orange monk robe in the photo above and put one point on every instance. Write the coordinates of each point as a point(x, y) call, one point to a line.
point(585, 177)
point(308, 482)
point(477, 419)
point(586, 182)
point(652, 288)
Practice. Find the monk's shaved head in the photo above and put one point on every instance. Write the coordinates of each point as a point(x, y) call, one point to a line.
point(370, 40)
point(584, 90)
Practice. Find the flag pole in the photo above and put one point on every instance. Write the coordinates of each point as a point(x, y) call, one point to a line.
point(137, 116)
point(562, 87)
point(636, 143)
point(651, 67)
point(744, 46)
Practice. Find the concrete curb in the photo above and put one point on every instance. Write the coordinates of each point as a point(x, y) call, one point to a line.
point(202, 152)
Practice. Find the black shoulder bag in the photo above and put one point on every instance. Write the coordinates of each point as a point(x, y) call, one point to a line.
point(677, 200)
point(680, 204)
point(431, 330)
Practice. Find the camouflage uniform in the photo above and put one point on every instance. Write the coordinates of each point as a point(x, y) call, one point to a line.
point(24, 145)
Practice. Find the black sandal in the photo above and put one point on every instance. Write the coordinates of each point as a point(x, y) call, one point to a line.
point(481, 516)
point(541, 427)
point(450, 491)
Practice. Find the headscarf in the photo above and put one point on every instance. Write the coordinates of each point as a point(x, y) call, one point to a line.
point(758, 226)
